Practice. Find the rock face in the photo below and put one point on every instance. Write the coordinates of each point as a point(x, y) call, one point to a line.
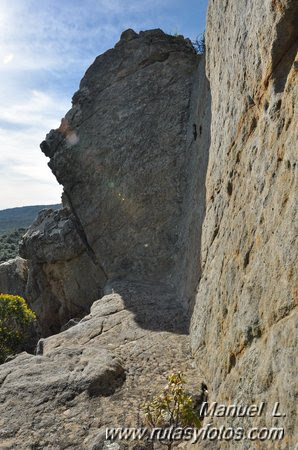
point(63, 279)
point(193, 208)
point(244, 325)
point(13, 276)
point(130, 154)
point(122, 154)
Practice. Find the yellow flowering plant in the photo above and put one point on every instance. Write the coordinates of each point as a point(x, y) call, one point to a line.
point(15, 319)
point(173, 408)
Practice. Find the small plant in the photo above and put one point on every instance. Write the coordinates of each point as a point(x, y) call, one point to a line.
point(15, 319)
point(173, 408)
point(200, 44)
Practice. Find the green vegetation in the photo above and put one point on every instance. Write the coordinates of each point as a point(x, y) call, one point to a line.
point(9, 244)
point(13, 225)
point(200, 44)
point(15, 320)
point(174, 407)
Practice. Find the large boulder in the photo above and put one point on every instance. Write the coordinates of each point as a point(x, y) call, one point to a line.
point(244, 326)
point(63, 279)
point(122, 154)
point(132, 156)
point(13, 277)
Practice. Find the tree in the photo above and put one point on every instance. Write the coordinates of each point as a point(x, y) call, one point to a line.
point(15, 320)
point(200, 44)
point(172, 409)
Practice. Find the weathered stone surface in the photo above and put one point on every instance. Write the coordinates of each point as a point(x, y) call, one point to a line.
point(63, 279)
point(96, 373)
point(244, 325)
point(132, 155)
point(52, 237)
point(198, 139)
point(13, 277)
point(122, 154)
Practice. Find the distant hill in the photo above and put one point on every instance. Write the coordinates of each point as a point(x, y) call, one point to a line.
point(14, 218)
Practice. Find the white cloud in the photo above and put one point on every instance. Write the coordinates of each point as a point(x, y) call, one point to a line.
point(8, 58)
point(44, 43)
point(25, 177)
point(36, 108)
point(45, 48)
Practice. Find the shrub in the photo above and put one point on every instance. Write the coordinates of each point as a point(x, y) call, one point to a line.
point(15, 319)
point(200, 44)
point(174, 407)
point(9, 244)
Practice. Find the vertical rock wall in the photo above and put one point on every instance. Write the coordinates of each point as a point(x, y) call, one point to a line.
point(244, 325)
point(198, 138)
point(132, 157)
point(122, 155)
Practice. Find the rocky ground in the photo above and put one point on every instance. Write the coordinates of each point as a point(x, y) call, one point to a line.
point(97, 373)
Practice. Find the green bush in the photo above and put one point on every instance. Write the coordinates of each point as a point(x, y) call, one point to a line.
point(9, 244)
point(200, 44)
point(15, 320)
point(174, 407)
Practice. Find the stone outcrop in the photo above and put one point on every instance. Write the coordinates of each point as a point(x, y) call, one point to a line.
point(122, 154)
point(132, 155)
point(13, 277)
point(193, 209)
point(244, 325)
point(95, 374)
point(127, 154)
point(63, 280)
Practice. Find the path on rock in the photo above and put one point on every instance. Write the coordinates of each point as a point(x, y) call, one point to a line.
point(96, 373)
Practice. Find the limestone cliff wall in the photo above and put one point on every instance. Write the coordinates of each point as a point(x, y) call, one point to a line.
point(198, 138)
point(122, 154)
point(244, 325)
point(132, 157)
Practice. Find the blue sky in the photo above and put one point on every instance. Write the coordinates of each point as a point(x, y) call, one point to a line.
point(46, 46)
